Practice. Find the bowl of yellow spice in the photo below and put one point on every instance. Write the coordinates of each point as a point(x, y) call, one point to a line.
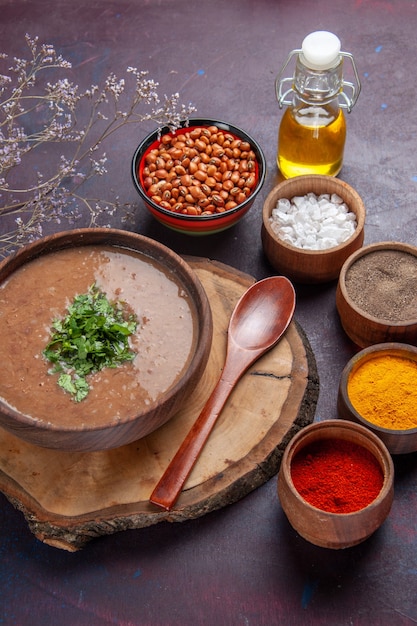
point(378, 389)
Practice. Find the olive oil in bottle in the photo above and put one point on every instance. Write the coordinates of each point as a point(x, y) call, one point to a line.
point(312, 132)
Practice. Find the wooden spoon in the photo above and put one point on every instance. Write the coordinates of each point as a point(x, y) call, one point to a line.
point(257, 323)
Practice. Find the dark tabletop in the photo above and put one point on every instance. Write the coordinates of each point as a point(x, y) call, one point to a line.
point(243, 564)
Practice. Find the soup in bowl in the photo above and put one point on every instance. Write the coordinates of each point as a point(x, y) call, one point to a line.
point(167, 347)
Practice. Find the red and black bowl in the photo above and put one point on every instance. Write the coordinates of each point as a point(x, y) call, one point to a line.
point(203, 224)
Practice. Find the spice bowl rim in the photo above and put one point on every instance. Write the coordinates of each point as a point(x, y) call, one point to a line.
point(397, 441)
point(305, 265)
point(355, 256)
point(187, 224)
point(328, 529)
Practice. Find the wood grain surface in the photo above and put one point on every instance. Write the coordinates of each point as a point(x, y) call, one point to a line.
point(70, 498)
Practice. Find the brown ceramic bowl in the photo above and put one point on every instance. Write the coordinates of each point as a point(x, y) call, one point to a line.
point(397, 441)
point(371, 314)
point(310, 266)
point(335, 530)
point(87, 432)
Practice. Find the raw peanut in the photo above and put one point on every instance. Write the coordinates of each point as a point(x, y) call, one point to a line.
point(175, 153)
point(195, 133)
point(210, 181)
point(200, 145)
point(161, 174)
point(186, 180)
point(200, 175)
point(171, 176)
point(150, 158)
point(250, 181)
point(217, 151)
point(243, 165)
point(193, 167)
point(217, 200)
point(180, 170)
point(196, 193)
point(153, 190)
point(228, 185)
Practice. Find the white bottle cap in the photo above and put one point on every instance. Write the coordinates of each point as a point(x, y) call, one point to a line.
point(320, 50)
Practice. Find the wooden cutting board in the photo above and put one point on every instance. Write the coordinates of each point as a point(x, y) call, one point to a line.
point(70, 498)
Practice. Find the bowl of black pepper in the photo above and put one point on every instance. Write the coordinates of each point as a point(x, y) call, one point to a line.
point(376, 295)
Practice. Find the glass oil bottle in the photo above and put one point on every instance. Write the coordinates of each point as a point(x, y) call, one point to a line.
point(312, 132)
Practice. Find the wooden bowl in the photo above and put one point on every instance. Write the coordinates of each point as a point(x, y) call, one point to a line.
point(327, 529)
point(197, 224)
point(397, 441)
point(83, 429)
point(310, 266)
point(387, 282)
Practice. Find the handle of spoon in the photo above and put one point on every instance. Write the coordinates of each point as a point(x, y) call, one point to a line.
point(170, 485)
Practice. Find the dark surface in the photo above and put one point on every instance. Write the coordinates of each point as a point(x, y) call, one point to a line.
point(243, 564)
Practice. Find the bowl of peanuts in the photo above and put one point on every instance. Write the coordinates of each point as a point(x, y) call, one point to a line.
point(202, 178)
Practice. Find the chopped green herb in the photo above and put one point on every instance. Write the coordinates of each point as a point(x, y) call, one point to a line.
point(93, 335)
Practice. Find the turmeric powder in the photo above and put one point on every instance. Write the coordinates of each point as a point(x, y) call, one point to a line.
point(383, 390)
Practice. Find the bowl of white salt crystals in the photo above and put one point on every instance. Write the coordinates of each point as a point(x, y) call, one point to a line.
point(311, 225)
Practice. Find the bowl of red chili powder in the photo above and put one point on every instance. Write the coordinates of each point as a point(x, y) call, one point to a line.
point(378, 389)
point(335, 483)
